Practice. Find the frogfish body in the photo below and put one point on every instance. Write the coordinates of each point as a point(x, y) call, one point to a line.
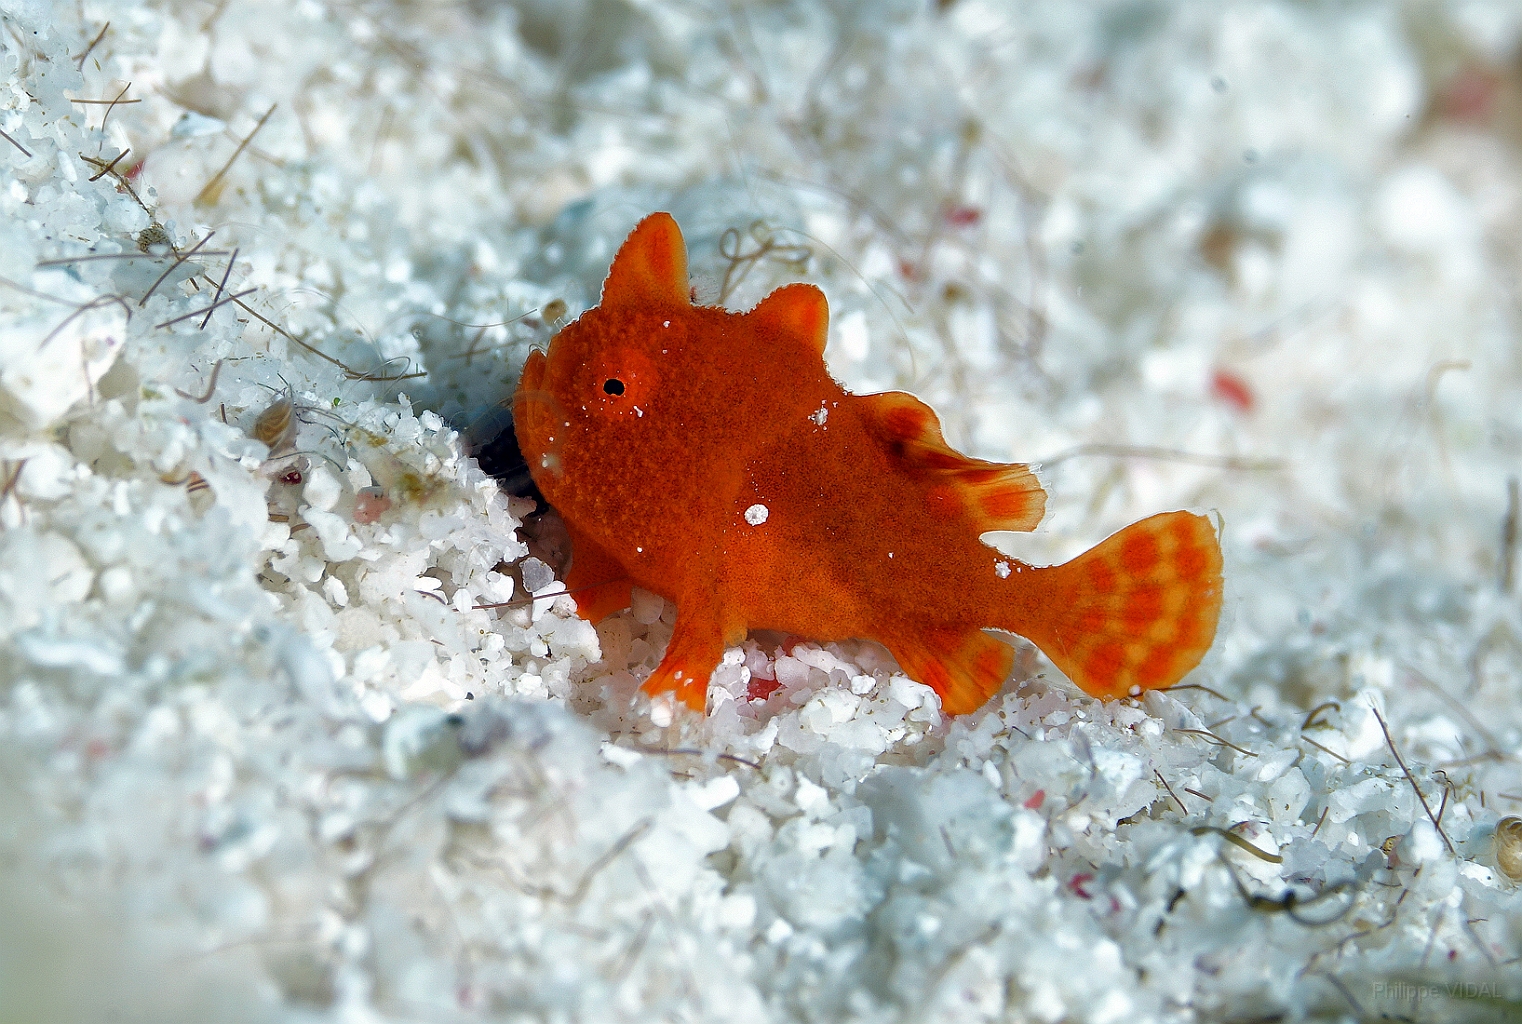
point(710, 458)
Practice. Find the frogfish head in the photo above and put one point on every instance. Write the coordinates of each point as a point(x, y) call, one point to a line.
point(602, 392)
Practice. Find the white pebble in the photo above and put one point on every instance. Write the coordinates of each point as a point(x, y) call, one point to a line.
point(662, 710)
point(714, 793)
point(322, 489)
point(737, 911)
point(621, 756)
point(333, 532)
point(647, 607)
point(337, 596)
point(116, 584)
point(810, 798)
point(790, 672)
point(536, 575)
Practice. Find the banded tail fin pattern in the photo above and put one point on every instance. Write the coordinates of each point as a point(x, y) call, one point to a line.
point(1138, 610)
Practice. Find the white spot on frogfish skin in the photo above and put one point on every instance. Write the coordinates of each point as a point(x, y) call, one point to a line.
point(820, 415)
point(756, 514)
point(1001, 570)
point(666, 323)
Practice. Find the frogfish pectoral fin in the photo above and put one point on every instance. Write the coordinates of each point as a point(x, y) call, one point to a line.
point(596, 580)
point(695, 649)
point(528, 381)
point(539, 420)
point(1136, 612)
point(965, 668)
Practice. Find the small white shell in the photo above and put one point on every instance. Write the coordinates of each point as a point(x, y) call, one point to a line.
point(276, 425)
point(1509, 847)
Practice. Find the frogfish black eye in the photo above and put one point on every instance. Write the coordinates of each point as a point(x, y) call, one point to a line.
point(613, 386)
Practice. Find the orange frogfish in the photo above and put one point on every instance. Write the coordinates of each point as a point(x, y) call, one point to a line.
point(709, 457)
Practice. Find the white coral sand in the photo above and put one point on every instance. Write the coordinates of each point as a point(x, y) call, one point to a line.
point(294, 727)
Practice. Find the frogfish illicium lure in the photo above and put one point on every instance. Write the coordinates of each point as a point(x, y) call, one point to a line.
point(709, 457)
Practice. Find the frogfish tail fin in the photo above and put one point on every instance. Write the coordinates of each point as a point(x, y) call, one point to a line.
point(1136, 612)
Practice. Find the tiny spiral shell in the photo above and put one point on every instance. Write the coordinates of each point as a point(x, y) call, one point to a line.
point(276, 424)
point(1509, 847)
point(553, 311)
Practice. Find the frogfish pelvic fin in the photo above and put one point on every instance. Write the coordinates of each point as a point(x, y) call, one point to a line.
point(710, 458)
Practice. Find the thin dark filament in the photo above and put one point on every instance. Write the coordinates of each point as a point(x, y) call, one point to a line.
point(80, 64)
point(18, 145)
point(96, 303)
point(214, 305)
point(210, 387)
point(172, 267)
point(110, 166)
point(211, 186)
point(223, 284)
point(1412, 779)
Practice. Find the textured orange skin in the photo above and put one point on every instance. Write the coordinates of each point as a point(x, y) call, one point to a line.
point(720, 412)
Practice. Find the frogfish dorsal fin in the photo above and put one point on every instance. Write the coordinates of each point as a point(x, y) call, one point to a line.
point(650, 270)
point(997, 495)
point(797, 312)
